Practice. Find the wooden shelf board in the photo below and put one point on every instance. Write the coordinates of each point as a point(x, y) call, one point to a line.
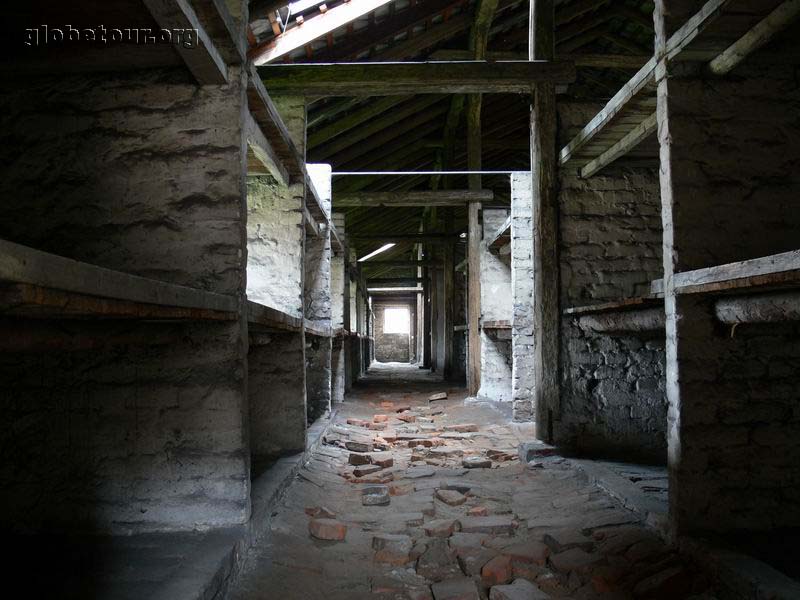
point(266, 317)
point(618, 305)
point(774, 271)
point(500, 324)
point(51, 281)
point(314, 329)
point(36, 302)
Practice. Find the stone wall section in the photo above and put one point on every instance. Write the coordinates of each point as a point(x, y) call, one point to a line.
point(318, 307)
point(612, 386)
point(143, 173)
point(729, 158)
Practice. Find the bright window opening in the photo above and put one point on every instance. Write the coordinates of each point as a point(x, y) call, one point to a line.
point(396, 320)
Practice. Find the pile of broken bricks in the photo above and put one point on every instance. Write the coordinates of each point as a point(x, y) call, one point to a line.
point(432, 442)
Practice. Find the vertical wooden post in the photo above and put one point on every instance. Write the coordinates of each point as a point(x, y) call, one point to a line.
point(541, 46)
point(484, 13)
point(449, 297)
point(426, 318)
point(474, 301)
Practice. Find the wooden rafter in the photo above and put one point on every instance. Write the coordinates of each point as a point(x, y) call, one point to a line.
point(204, 60)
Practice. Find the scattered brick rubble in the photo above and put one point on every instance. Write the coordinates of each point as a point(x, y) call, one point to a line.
point(415, 518)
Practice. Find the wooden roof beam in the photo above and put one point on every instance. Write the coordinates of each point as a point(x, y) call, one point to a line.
point(644, 76)
point(203, 59)
point(763, 32)
point(313, 29)
point(385, 79)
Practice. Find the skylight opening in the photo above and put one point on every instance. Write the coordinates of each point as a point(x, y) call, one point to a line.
point(383, 248)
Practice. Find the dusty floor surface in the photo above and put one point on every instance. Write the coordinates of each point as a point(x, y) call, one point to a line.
point(450, 532)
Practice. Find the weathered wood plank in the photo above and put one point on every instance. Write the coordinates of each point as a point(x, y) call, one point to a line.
point(383, 79)
point(618, 305)
point(25, 265)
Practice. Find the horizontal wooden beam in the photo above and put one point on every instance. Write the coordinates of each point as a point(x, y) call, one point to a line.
point(605, 61)
point(632, 139)
point(385, 280)
point(202, 59)
point(21, 264)
point(313, 29)
point(412, 198)
point(389, 237)
point(386, 79)
point(385, 264)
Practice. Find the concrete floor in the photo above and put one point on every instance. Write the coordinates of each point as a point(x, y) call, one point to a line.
point(547, 524)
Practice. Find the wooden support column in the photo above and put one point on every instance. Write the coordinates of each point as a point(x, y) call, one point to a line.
point(484, 14)
point(541, 46)
point(426, 318)
point(474, 300)
point(449, 299)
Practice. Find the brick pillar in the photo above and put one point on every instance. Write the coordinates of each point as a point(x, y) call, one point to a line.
point(522, 341)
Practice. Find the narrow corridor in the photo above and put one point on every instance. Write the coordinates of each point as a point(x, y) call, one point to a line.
point(449, 531)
